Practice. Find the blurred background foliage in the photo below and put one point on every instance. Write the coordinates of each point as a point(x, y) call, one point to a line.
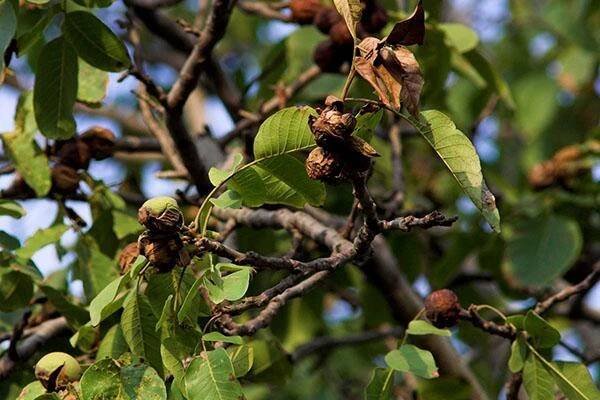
point(520, 78)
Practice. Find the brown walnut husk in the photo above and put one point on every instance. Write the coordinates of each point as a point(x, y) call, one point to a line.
point(442, 308)
point(101, 142)
point(304, 11)
point(323, 165)
point(332, 127)
point(74, 153)
point(127, 257)
point(65, 180)
point(164, 251)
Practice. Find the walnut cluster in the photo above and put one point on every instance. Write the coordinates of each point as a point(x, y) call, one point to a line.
point(339, 155)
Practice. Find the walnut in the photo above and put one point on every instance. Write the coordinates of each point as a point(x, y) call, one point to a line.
point(442, 308)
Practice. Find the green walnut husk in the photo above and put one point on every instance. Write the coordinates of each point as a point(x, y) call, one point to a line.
point(161, 214)
point(57, 370)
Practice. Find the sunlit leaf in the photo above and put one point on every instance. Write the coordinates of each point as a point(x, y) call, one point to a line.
point(409, 358)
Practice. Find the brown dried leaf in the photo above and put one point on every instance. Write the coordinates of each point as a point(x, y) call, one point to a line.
point(361, 146)
point(351, 10)
point(409, 31)
point(403, 66)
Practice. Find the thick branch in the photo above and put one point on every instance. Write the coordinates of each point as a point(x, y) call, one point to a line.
point(27, 347)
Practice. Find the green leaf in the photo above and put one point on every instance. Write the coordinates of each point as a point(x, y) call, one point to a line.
point(542, 332)
point(190, 307)
point(94, 268)
point(286, 182)
point(138, 323)
point(219, 337)
point(11, 208)
point(26, 39)
point(95, 42)
point(232, 288)
point(242, 358)
point(574, 381)
point(106, 302)
point(125, 225)
point(75, 314)
point(459, 36)
point(536, 105)
point(366, 123)
point(518, 354)
point(425, 328)
point(32, 391)
point(212, 377)
point(92, 85)
point(351, 10)
point(41, 238)
point(537, 380)
point(409, 358)
point(380, 385)
point(8, 242)
point(55, 89)
point(172, 353)
point(459, 155)
point(25, 153)
point(85, 338)
point(105, 379)
point(228, 199)
point(489, 73)
point(284, 132)
point(16, 290)
point(8, 27)
point(542, 249)
point(113, 344)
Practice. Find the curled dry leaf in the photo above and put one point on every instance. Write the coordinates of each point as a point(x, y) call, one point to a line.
point(409, 31)
point(391, 69)
point(351, 10)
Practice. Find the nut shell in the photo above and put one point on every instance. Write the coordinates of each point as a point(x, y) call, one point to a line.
point(128, 255)
point(161, 214)
point(65, 180)
point(374, 20)
point(56, 370)
point(323, 165)
point(101, 142)
point(332, 127)
point(340, 34)
point(442, 308)
point(163, 251)
point(74, 153)
point(329, 57)
point(304, 11)
point(326, 18)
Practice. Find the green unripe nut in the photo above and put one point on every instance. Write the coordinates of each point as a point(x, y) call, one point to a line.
point(56, 370)
point(161, 214)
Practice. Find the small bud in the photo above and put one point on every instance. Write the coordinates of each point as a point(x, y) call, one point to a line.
point(326, 18)
point(340, 34)
point(128, 255)
point(101, 142)
point(442, 308)
point(323, 165)
point(56, 370)
point(161, 214)
point(65, 180)
point(163, 251)
point(304, 11)
point(74, 153)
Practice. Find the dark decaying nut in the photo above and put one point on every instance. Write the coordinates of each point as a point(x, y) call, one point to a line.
point(163, 251)
point(74, 153)
point(323, 165)
point(374, 19)
point(332, 127)
point(330, 57)
point(161, 214)
point(56, 370)
point(65, 180)
point(304, 11)
point(101, 142)
point(326, 18)
point(340, 34)
point(128, 256)
point(442, 308)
